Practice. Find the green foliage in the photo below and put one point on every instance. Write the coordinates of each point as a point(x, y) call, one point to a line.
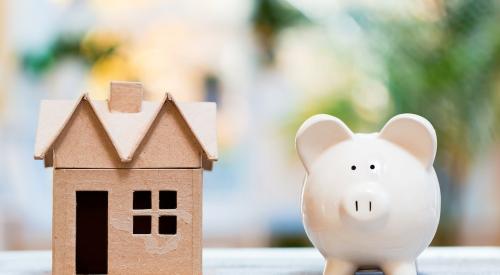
point(275, 15)
point(269, 18)
point(445, 70)
point(67, 46)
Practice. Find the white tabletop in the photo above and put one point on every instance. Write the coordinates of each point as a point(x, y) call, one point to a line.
point(296, 261)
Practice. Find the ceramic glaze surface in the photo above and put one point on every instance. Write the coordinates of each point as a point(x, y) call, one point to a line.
point(369, 200)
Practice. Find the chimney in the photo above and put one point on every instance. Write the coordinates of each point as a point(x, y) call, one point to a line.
point(125, 97)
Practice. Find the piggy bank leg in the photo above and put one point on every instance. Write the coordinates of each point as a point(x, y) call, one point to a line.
point(400, 268)
point(339, 267)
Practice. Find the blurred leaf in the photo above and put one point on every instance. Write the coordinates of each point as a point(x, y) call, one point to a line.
point(87, 49)
point(269, 18)
point(276, 15)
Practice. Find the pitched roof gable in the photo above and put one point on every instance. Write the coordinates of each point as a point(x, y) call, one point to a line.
point(126, 130)
point(52, 119)
point(126, 139)
point(201, 120)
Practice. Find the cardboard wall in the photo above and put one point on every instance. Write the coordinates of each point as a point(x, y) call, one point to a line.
point(128, 253)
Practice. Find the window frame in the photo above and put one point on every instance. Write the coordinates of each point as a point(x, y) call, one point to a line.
point(155, 212)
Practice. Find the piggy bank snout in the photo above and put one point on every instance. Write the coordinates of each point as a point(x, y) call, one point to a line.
point(365, 203)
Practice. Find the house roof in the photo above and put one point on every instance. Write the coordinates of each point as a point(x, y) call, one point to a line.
point(126, 130)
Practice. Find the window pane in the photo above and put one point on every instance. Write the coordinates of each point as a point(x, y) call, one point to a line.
point(168, 199)
point(167, 225)
point(142, 224)
point(142, 200)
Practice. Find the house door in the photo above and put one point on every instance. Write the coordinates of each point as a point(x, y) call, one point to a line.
point(91, 232)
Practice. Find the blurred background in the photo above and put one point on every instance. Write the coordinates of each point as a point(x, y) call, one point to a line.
point(269, 64)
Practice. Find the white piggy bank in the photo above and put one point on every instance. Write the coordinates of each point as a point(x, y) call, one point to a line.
point(369, 200)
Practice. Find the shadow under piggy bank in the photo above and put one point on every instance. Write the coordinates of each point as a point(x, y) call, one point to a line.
point(373, 272)
point(369, 272)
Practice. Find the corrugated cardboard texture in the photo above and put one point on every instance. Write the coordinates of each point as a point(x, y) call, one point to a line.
point(129, 253)
point(125, 97)
point(168, 144)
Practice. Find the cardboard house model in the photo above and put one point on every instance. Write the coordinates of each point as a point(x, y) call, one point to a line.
point(127, 181)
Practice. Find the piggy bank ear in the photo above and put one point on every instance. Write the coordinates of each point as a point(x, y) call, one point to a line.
point(413, 133)
point(317, 134)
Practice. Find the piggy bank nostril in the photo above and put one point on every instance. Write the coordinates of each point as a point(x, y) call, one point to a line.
point(364, 205)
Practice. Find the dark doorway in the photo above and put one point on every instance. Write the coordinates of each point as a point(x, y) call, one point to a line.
point(91, 232)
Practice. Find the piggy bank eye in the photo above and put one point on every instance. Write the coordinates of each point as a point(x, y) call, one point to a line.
point(372, 166)
point(353, 167)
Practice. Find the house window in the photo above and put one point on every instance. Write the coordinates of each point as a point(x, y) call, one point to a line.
point(142, 200)
point(167, 225)
point(168, 199)
point(142, 224)
point(143, 212)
